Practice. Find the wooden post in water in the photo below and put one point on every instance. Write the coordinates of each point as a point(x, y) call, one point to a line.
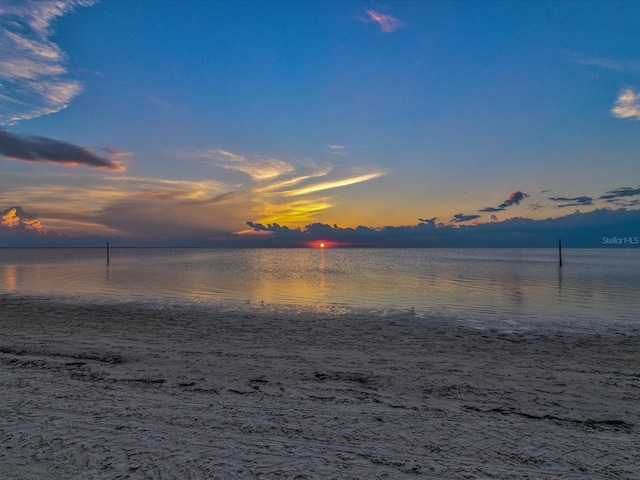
point(107, 253)
point(560, 251)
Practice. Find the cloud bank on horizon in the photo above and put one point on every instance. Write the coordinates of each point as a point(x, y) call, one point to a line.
point(240, 136)
point(576, 230)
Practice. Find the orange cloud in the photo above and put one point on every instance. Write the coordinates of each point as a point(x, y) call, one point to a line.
point(16, 218)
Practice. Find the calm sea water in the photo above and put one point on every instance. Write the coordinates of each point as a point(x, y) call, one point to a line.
point(600, 284)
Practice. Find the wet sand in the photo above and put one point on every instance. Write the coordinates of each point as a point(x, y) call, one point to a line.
point(102, 391)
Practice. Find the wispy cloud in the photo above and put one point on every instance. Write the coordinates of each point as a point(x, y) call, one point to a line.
point(608, 63)
point(333, 184)
point(136, 207)
point(338, 150)
point(277, 188)
point(33, 77)
point(387, 23)
point(627, 105)
point(40, 149)
point(275, 181)
point(258, 168)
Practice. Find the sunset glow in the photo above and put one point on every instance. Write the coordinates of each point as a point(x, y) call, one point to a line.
point(376, 127)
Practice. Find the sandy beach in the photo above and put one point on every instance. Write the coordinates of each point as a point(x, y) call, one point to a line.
point(105, 391)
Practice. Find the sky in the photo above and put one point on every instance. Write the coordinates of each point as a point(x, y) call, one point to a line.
point(287, 123)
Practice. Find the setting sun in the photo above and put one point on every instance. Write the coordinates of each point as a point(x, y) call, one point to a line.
point(321, 244)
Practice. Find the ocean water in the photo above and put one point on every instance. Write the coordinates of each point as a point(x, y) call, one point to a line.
point(517, 284)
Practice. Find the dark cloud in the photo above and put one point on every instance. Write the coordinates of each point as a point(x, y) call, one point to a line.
point(461, 217)
point(625, 203)
point(573, 202)
point(258, 227)
point(514, 199)
point(429, 221)
point(274, 227)
point(31, 148)
point(620, 192)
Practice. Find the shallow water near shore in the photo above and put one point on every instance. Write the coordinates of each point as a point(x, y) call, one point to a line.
point(498, 284)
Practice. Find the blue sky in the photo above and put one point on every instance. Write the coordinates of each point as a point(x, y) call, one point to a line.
point(209, 122)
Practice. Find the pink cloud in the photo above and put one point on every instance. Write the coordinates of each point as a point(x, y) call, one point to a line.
point(387, 23)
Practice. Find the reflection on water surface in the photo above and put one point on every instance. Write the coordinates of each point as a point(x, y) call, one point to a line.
point(502, 282)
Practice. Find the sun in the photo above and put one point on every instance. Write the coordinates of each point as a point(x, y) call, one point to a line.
point(321, 245)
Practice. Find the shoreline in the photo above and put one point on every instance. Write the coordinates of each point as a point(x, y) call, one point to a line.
point(117, 390)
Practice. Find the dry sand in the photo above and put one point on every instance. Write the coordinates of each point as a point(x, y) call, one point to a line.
point(132, 391)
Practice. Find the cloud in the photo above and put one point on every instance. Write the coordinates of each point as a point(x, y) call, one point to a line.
point(620, 192)
point(258, 168)
point(576, 230)
point(573, 202)
point(199, 212)
point(627, 105)
point(387, 23)
point(514, 199)
point(428, 221)
point(338, 150)
point(163, 210)
point(20, 228)
point(461, 217)
point(17, 219)
point(620, 197)
point(333, 184)
point(33, 78)
point(274, 176)
point(608, 63)
point(32, 148)
point(626, 203)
